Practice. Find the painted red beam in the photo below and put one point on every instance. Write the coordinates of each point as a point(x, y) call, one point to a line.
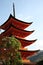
point(27, 53)
point(16, 32)
point(15, 22)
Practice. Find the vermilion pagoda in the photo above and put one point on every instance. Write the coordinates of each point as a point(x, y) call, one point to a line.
point(16, 28)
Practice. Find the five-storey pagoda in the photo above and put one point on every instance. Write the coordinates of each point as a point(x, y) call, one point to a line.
point(16, 28)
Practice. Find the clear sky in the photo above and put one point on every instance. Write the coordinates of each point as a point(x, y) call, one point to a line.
point(28, 11)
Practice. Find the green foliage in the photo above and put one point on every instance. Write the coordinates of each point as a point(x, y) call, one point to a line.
point(15, 43)
point(13, 56)
point(11, 42)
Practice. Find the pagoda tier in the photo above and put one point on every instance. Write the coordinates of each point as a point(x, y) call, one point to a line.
point(24, 42)
point(27, 53)
point(15, 22)
point(24, 53)
point(16, 32)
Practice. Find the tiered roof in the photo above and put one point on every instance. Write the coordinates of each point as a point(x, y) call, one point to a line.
point(15, 22)
point(27, 53)
point(16, 32)
point(16, 28)
point(24, 42)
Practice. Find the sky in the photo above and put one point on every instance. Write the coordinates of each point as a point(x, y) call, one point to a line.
point(28, 11)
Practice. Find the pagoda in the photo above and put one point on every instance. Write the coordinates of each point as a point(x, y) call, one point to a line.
point(15, 27)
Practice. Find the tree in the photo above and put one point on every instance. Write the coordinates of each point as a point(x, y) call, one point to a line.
point(9, 51)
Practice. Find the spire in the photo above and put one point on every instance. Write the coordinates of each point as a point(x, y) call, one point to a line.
point(13, 10)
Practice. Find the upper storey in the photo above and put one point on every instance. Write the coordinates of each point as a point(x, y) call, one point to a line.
point(16, 32)
point(15, 22)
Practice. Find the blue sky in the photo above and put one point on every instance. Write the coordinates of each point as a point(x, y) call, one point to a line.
point(28, 11)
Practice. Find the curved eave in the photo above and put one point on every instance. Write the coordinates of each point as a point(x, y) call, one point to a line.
point(25, 43)
point(17, 32)
point(26, 53)
point(18, 23)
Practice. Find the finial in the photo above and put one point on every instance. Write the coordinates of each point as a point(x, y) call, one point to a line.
point(13, 10)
